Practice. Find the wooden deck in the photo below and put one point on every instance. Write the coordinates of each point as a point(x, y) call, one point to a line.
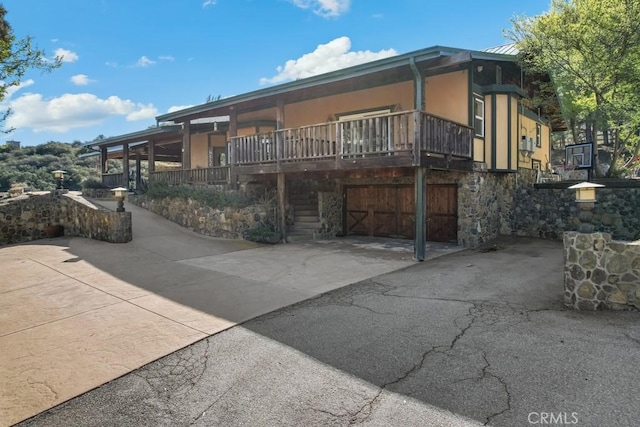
point(402, 139)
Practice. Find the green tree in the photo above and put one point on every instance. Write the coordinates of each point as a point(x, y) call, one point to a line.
point(17, 56)
point(591, 49)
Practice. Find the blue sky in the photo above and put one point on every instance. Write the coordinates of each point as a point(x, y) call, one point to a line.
point(126, 61)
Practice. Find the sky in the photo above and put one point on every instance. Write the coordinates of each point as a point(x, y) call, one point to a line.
point(127, 61)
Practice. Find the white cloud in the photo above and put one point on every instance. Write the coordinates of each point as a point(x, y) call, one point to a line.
point(71, 111)
point(175, 108)
point(142, 112)
point(208, 3)
point(332, 56)
point(66, 55)
point(10, 90)
point(111, 64)
point(166, 58)
point(324, 8)
point(80, 80)
point(144, 62)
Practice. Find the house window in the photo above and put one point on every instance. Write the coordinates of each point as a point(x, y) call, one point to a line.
point(478, 113)
point(538, 135)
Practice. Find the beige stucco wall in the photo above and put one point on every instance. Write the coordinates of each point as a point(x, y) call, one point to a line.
point(478, 150)
point(321, 110)
point(488, 135)
point(502, 133)
point(542, 154)
point(199, 150)
point(447, 96)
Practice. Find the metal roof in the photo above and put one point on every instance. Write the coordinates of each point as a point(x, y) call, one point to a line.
point(140, 136)
point(505, 49)
point(419, 56)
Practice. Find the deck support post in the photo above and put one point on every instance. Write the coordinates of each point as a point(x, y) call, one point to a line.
point(103, 160)
point(282, 205)
point(231, 150)
point(421, 232)
point(125, 165)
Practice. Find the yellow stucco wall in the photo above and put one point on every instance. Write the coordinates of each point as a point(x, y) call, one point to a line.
point(514, 132)
point(217, 140)
point(321, 110)
point(542, 153)
point(199, 150)
point(488, 135)
point(502, 133)
point(447, 96)
point(478, 150)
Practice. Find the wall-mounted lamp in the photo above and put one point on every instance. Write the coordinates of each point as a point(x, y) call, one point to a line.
point(479, 68)
point(58, 176)
point(120, 193)
point(586, 199)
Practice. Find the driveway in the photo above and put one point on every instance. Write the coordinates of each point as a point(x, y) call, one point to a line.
point(77, 313)
point(469, 338)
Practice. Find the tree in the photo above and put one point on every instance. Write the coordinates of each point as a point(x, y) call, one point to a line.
point(17, 56)
point(591, 49)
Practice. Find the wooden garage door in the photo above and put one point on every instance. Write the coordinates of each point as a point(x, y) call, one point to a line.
point(442, 212)
point(380, 210)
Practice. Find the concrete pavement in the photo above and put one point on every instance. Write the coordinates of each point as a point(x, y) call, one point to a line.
point(77, 313)
point(469, 338)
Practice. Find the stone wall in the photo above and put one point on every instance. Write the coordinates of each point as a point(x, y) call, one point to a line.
point(98, 193)
point(601, 273)
point(547, 213)
point(31, 216)
point(229, 223)
point(330, 214)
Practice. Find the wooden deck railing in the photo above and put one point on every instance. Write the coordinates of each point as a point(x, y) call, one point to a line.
point(384, 135)
point(215, 175)
point(113, 180)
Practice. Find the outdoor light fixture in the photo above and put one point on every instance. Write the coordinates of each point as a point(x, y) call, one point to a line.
point(58, 176)
point(119, 193)
point(586, 199)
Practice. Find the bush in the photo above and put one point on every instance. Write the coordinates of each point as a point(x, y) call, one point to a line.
point(93, 183)
point(207, 196)
point(262, 233)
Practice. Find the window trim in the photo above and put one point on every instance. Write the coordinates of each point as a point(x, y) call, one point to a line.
point(538, 135)
point(477, 99)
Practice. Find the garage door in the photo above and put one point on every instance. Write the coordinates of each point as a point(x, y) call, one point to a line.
point(442, 213)
point(380, 210)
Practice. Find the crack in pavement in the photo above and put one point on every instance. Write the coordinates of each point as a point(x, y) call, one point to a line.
point(369, 407)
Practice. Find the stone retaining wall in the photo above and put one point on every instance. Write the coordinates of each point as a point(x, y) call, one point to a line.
point(27, 218)
point(601, 273)
point(229, 223)
point(547, 213)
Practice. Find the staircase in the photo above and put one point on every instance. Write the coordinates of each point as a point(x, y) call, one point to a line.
point(306, 219)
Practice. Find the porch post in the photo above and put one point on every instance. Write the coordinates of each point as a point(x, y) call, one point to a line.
point(421, 235)
point(125, 165)
point(151, 157)
point(103, 160)
point(231, 154)
point(138, 167)
point(186, 145)
point(279, 141)
point(282, 205)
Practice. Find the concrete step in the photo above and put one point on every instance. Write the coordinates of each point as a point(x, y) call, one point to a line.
point(293, 237)
point(306, 226)
point(306, 218)
point(306, 212)
point(305, 208)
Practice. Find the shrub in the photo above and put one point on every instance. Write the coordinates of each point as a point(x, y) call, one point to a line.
point(262, 233)
point(211, 197)
point(93, 183)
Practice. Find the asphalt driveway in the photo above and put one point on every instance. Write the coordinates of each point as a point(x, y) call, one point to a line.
point(469, 338)
point(77, 313)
